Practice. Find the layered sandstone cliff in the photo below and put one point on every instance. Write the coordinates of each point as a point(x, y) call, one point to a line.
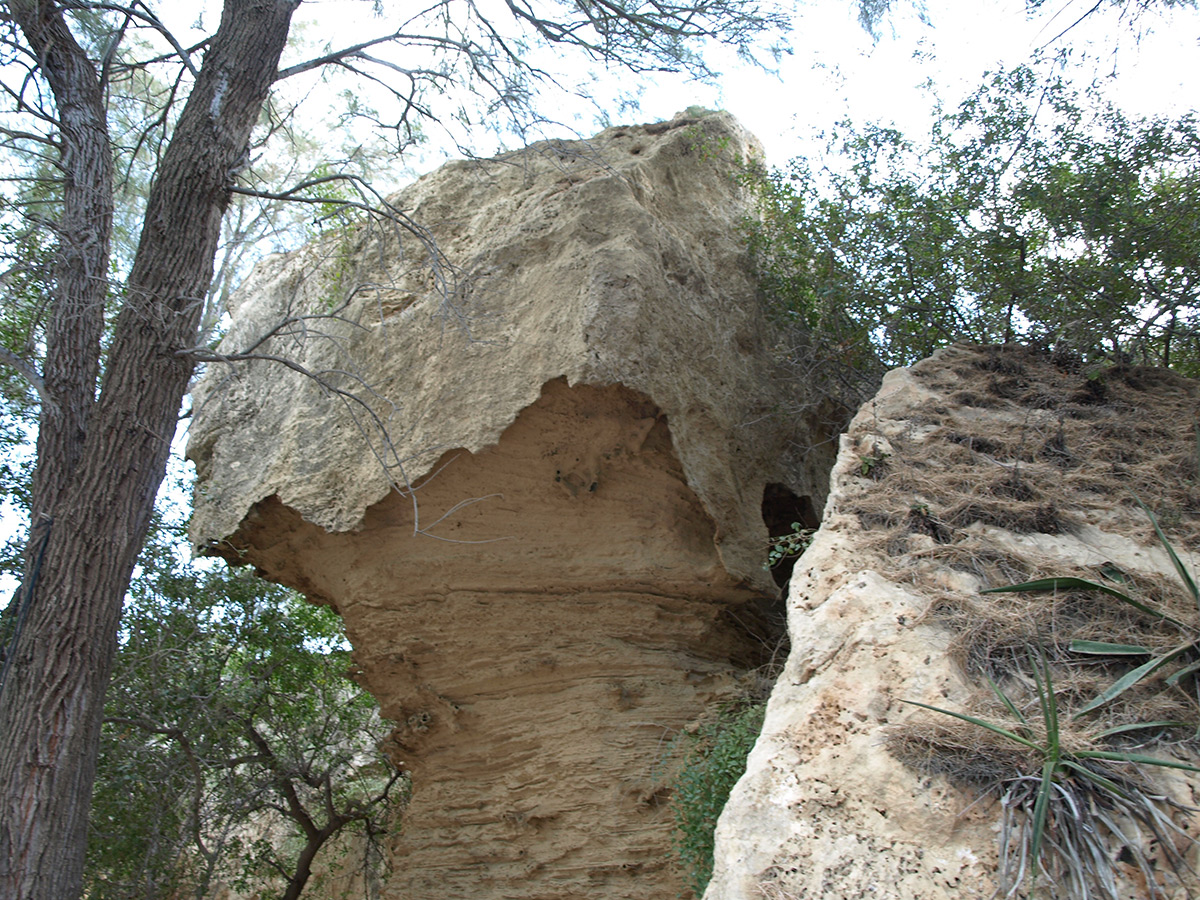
point(532, 470)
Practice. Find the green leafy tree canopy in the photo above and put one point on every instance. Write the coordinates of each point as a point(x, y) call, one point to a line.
point(234, 746)
point(1031, 212)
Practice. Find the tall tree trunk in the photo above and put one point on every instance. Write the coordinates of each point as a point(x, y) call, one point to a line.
point(84, 229)
point(100, 466)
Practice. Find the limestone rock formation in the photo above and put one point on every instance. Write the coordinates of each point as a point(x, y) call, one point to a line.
point(529, 470)
point(976, 468)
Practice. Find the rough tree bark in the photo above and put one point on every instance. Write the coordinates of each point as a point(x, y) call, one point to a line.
point(102, 456)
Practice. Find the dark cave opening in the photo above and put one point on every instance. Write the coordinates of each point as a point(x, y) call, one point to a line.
point(782, 511)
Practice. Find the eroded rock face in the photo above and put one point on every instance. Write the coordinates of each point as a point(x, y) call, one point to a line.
point(613, 261)
point(574, 616)
point(550, 560)
point(977, 468)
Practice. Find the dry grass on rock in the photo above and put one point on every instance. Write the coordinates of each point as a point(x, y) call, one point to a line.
point(1025, 445)
point(1016, 446)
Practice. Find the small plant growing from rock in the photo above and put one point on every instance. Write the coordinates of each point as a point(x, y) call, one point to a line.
point(872, 465)
point(1070, 797)
point(788, 545)
point(1063, 814)
point(1186, 653)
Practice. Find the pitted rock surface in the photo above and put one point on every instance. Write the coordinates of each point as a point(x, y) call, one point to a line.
point(975, 468)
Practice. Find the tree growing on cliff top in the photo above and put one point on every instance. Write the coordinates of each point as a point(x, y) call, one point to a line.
point(110, 345)
point(1031, 212)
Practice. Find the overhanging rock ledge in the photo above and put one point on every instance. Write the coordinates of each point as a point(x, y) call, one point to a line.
point(532, 474)
point(617, 260)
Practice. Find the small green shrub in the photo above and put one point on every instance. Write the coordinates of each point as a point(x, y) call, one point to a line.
point(790, 545)
point(872, 466)
point(714, 758)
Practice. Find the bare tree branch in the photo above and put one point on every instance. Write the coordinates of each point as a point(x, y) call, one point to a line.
point(140, 11)
point(30, 373)
point(345, 53)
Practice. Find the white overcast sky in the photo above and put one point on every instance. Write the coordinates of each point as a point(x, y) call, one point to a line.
point(835, 70)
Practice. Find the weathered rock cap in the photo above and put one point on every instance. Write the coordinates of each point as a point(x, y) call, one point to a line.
point(619, 259)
